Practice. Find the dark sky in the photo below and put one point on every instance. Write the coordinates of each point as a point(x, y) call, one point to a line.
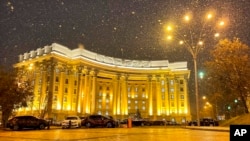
point(132, 29)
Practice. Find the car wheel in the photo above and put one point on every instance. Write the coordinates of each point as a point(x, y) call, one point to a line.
point(16, 127)
point(109, 125)
point(88, 124)
point(41, 126)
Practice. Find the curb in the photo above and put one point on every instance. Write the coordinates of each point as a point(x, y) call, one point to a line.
point(219, 129)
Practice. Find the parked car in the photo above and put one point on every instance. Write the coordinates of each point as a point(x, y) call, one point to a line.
point(20, 122)
point(99, 120)
point(83, 120)
point(205, 122)
point(71, 122)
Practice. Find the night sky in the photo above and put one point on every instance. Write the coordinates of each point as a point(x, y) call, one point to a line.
point(131, 29)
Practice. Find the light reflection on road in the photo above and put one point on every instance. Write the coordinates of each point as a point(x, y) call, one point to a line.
point(114, 134)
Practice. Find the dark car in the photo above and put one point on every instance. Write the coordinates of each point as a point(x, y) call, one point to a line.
point(20, 122)
point(205, 122)
point(83, 120)
point(99, 121)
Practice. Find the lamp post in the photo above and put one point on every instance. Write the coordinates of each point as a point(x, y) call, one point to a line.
point(193, 36)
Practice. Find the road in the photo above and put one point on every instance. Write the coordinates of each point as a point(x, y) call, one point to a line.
point(115, 134)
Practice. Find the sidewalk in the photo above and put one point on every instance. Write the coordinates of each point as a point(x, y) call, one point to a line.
point(209, 128)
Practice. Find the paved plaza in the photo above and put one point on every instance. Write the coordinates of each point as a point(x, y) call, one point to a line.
point(116, 134)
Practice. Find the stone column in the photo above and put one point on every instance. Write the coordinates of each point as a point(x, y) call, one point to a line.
point(86, 92)
point(93, 93)
point(115, 90)
point(150, 97)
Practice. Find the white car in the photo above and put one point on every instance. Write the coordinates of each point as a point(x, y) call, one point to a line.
point(71, 122)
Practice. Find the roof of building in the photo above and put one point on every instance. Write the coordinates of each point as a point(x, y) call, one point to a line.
point(81, 53)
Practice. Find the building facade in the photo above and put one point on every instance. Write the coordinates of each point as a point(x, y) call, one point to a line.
point(81, 82)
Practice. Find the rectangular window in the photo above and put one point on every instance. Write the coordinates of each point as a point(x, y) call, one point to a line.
point(74, 91)
point(171, 90)
point(182, 104)
point(162, 82)
point(66, 81)
point(55, 98)
point(57, 79)
point(181, 89)
point(172, 104)
point(181, 81)
point(56, 88)
point(65, 99)
point(66, 90)
point(75, 82)
point(171, 82)
point(171, 96)
point(182, 96)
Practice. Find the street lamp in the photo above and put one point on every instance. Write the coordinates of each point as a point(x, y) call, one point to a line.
point(193, 37)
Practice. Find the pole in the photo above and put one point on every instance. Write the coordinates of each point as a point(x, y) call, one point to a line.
point(196, 90)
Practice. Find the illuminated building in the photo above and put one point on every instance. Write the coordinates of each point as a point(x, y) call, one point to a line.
point(81, 82)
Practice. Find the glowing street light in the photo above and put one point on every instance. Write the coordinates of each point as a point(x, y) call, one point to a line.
point(193, 39)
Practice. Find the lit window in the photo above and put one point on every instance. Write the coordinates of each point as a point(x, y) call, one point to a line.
point(129, 95)
point(171, 96)
point(163, 90)
point(136, 107)
point(172, 90)
point(171, 82)
point(55, 98)
point(99, 100)
point(128, 89)
point(143, 95)
point(136, 102)
point(65, 99)
point(143, 108)
point(107, 100)
point(182, 96)
point(129, 101)
point(162, 82)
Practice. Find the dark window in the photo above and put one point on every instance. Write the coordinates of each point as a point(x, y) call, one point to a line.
point(57, 79)
point(181, 81)
point(56, 88)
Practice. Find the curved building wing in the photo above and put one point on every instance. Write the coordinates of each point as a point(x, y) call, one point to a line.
point(82, 82)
